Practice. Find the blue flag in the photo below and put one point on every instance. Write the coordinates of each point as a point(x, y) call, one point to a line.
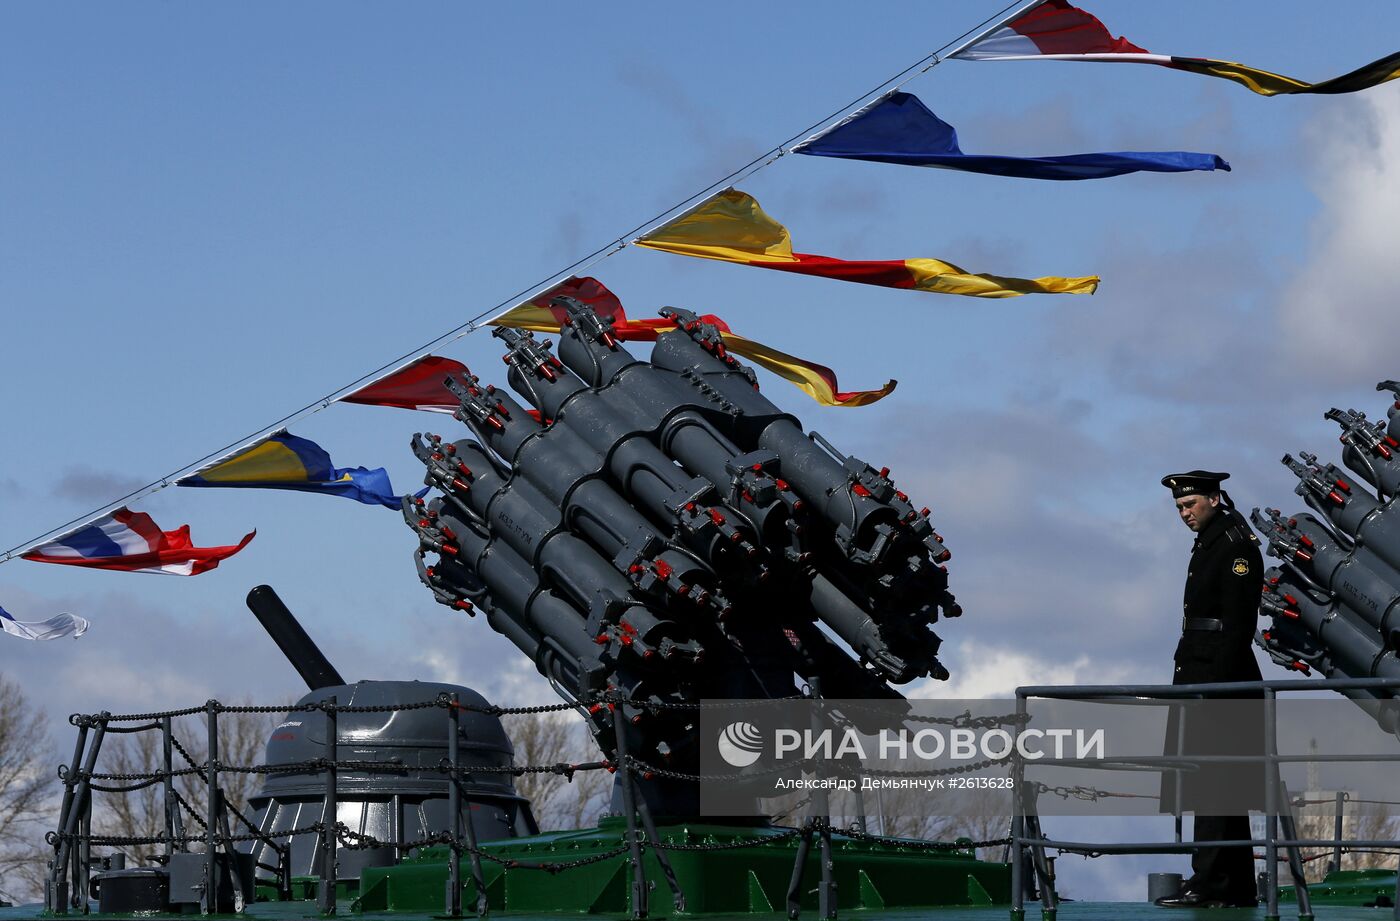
point(284, 461)
point(900, 129)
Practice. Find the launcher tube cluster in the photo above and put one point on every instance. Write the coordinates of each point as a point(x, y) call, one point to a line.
point(659, 528)
point(1334, 600)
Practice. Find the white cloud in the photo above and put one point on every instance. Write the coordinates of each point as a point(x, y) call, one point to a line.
point(982, 671)
point(1342, 301)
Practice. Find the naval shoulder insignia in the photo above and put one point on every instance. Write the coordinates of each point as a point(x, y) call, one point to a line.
point(1240, 567)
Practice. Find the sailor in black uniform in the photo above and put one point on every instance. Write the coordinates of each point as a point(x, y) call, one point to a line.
point(1219, 609)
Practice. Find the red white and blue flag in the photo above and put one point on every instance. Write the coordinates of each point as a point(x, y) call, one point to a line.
point(133, 542)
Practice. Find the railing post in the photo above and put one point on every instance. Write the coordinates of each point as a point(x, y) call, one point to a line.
point(56, 892)
point(454, 809)
point(799, 867)
point(325, 897)
point(172, 808)
point(1018, 864)
point(629, 806)
point(649, 826)
point(72, 826)
point(85, 856)
point(1018, 822)
point(821, 804)
point(1271, 797)
point(455, 757)
point(1295, 855)
point(1337, 832)
point(209, 903)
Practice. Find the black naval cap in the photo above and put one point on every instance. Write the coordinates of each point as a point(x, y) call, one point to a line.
point(1194, 482)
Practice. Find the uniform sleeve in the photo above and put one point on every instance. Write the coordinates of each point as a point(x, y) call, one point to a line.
point(1241, 585)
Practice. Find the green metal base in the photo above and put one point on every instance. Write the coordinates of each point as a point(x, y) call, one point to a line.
point(1364, 888)
point(751, 879)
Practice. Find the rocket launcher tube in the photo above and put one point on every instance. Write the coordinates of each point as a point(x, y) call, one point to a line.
point(870, 518)
point(1393, 413)
point(1332, 494)
point(564, 464)
point(638, 397)
point(590, 351)
point(535, 527)
point(1357, 580)
point(1368, 450)
point(1350, 641)
point(515, 583)
point(1373, 526)
point(1312, 483)
point(1348, 649)
point(514, 589)
point(484, 411)
point(828, 486)
point(617, 427)
point(588, 347)
point(899, 655)
point(535, 373)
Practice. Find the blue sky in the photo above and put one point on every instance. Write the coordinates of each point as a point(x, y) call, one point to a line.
point(210, 216)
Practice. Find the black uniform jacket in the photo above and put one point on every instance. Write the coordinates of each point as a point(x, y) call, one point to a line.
point(1223, 583)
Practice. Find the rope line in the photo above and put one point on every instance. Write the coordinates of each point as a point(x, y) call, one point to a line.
point(615, 245)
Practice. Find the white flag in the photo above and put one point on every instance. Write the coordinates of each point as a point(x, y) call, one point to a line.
point(56, 627)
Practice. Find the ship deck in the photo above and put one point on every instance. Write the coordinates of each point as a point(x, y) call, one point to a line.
point(1069, 911)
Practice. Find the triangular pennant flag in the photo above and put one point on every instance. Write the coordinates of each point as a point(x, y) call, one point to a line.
point(731, 227)
point(284, 461)
point(417, 386)
point(899, 128)
point(132, 542)
point(1056, 31)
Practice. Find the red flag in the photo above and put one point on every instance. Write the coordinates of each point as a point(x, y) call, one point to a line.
point(418, 386)
point(817, 381)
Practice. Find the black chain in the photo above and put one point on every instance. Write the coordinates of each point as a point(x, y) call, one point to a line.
point(554, 866)
point(1090, 794)
point(488, 709)
point(147, 727)
point(648, 769)
point(964, 720)
point(184, 804)
point(563, 768)
point(908, 843)
point(730, 846)
point(356, 841)
point(139, 775)
point(119, 840)
point(131, 789)
point(937, 772)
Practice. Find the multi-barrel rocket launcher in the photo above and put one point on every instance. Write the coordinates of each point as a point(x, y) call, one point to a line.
point(661, 529)
point(1335, 598)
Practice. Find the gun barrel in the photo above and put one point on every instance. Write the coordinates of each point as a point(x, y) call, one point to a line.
point(306, 657)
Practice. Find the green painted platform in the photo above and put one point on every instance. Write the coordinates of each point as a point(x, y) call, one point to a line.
point(1367, 888)
point(1069, 911)
point(752, 879)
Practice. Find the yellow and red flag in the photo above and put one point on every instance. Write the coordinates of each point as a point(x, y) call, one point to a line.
point(817, 381)
point(731, 227)
point(1057, 31)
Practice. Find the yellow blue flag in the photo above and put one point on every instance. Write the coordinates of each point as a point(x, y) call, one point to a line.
point(285, 461)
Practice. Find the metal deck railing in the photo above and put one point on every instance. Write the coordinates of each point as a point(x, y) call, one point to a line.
point(1028, 839)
